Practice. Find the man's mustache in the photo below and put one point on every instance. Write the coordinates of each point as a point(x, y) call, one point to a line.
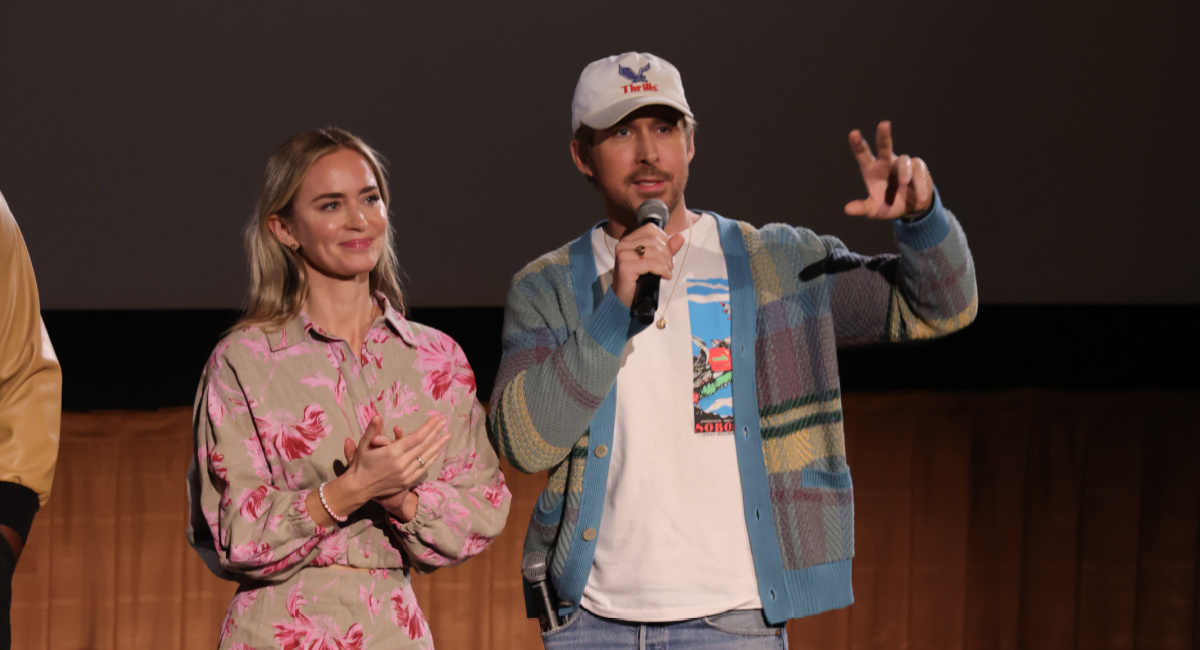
point(649, 172)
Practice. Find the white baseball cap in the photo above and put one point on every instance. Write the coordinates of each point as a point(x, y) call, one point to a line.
point(613, 87)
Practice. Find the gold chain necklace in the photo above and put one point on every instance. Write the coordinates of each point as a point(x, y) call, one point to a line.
point(661, 323)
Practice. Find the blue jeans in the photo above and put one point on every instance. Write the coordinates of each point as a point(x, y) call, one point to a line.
point(741, 629)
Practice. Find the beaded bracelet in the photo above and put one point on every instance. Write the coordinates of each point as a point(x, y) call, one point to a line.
point(341, 519)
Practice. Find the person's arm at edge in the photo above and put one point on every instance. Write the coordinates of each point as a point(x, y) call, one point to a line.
point(30, 391)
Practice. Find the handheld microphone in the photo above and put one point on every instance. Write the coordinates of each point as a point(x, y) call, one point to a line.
point(645, 297)
point(533, 569)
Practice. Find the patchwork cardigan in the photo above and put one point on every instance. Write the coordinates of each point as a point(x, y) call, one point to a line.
point(795, 297)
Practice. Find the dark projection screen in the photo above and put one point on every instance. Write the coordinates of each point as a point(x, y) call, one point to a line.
point(1063, 134)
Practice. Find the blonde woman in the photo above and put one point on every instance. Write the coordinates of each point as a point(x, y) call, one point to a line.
point(338, 445)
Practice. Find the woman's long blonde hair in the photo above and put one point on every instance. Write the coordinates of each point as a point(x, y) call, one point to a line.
point(278, 279)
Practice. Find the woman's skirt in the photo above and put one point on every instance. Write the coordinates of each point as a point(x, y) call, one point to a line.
point(328, 608)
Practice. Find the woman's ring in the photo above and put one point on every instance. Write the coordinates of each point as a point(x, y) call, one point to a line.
point(421, 460)
point(640, 250)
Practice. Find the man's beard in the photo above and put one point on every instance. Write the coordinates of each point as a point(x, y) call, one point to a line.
point(671, 196)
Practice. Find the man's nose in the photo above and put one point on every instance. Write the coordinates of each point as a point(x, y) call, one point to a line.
point(647, 149)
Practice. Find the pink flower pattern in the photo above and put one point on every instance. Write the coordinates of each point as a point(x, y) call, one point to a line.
point(445, 367)
point(474, 544)
point(276, 408)
point(406, 615)
point(455, 466)
point(319, 380)
point(292, 438)
point(367, 597)
point(239, 605)
point(252, 502)
point(496, 493)
point(316, 633)
point(332, 548)
point(365, 413)
point(399, 400)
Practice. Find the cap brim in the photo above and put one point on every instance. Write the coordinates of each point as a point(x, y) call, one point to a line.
point(610, 115)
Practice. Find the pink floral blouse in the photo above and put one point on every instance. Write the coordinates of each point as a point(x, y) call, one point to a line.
point(271, 415)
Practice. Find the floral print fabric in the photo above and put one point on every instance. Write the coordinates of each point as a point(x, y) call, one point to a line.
point(271, 416)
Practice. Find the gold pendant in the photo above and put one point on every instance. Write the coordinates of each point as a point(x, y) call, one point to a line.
point(662, 323)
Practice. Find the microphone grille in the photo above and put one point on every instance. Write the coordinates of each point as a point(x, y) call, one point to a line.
point(653, 209)
point(533, 567)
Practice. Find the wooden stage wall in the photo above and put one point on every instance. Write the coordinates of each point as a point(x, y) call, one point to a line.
point(1017, 519)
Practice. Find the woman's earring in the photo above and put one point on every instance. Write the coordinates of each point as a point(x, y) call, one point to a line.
point(295, 248)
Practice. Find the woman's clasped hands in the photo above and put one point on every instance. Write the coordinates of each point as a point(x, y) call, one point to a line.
point(384, 471)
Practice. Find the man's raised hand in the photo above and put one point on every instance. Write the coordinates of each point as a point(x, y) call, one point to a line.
point(897, 186)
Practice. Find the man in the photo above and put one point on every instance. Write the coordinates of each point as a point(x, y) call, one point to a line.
point(30, 403)
point(707, 524)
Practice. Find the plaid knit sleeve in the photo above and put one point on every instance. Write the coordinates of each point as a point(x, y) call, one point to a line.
point(926, 291)
point(556, 367)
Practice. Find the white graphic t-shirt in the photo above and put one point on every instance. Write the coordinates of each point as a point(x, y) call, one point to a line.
point(673, 542)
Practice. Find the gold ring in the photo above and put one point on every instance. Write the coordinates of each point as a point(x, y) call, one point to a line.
point(640, 250)
point(421, 460)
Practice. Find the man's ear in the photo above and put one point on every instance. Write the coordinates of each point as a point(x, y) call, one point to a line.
point(584, 166)
point(280, 229)
point(691, 145)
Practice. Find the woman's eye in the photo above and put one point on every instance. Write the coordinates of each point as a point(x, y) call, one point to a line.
point(331, 206)
point(374, 198)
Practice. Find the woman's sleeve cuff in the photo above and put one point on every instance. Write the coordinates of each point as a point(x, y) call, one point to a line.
point(419, 520)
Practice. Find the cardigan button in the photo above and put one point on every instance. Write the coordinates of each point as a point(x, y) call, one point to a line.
point(601, 451)
point(589, 534)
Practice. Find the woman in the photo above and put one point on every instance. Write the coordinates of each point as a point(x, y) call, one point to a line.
point(306, 488)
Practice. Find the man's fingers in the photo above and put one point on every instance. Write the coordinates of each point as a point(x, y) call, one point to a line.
point(649, 250)
point(903, 169)
point(862, 153)
point(883, 140)
point(649, 236)
point(657, 262)
point(656, 256)
point(922, 183)
point(856, 208)
point(674, 244)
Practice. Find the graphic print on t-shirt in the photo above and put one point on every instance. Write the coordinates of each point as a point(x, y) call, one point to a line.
point(712, 359)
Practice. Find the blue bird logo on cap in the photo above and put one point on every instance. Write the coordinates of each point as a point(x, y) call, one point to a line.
point(633, 77)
